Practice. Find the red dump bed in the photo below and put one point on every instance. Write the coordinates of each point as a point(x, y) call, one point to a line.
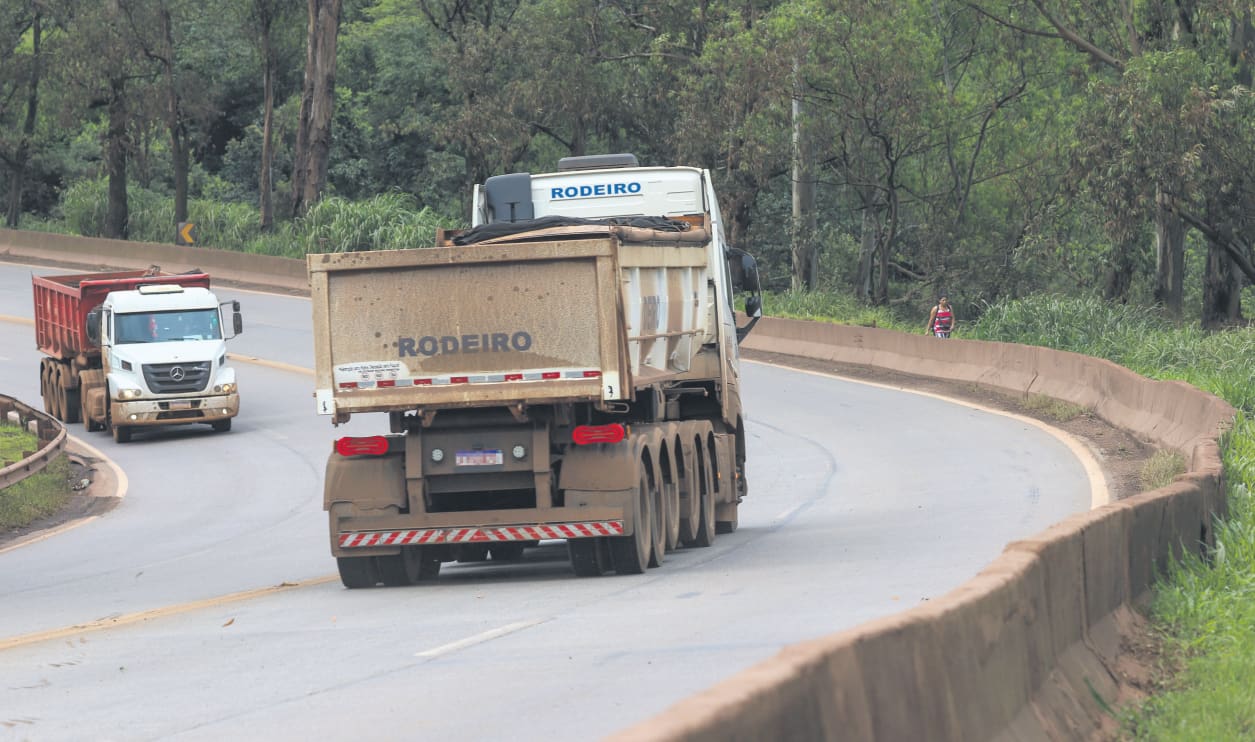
point(62, 304)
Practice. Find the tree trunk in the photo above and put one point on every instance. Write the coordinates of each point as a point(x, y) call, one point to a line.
point(866, 253)
point(174, 119)
point(1169, 261)
point(17, 181)
point(313, 135)
point(1119, 274)
point(264, 184)
point(1222, 289)
point(805, 256)
point(116, 211)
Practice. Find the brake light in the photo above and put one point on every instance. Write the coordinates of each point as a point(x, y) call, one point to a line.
point(375, 445)
point(584, 435)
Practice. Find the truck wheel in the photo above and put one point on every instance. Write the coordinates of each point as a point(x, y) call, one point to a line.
point(121, 434)
point(658, 528)
point(705, 535)
point(589, 556)
point(413, 565)
point(690, 500)
point(221, 426)
point(56, 395)
point(671, 497)
point(73, 406)
point(631, 553)
point(507, 552)
point(44, 385)
point(357, 572)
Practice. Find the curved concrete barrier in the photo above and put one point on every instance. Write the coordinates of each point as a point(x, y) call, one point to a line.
point(1022, 651)
point(1025, 649)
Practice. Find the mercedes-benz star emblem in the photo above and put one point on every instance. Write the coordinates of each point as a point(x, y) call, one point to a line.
point(177, 373)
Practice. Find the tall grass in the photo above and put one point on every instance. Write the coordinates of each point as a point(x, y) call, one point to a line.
point(826, 306)
point(385, 222)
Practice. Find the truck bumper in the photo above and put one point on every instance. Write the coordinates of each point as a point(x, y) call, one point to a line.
point(386, 534)
point(175, 411)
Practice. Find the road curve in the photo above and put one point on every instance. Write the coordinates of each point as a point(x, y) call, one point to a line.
point(205, 607)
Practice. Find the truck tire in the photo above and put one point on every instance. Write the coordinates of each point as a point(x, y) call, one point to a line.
point(44, 385)
point(705, 535)
point(630, 554)
point(73, 406)
point(658, 528)
point(221, 426)
point(671, 499)
point(121, 433)
point(589, 556)
point(357, 572)
point(690, 495)
point(413, 565)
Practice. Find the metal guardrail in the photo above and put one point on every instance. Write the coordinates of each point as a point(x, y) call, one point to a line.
point(49, 430)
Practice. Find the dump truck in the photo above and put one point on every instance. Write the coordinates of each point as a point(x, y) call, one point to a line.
point(135, 349)
point(565, 369)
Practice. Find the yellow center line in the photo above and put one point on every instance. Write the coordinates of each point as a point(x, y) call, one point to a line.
point(128, 619)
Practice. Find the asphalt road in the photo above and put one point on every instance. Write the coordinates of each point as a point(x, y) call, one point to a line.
point(206, 607)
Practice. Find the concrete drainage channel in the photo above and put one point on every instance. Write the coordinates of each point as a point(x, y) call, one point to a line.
point(1025, 649)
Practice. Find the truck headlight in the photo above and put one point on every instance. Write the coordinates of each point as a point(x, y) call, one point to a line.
point(129, 393)
point(224, 388)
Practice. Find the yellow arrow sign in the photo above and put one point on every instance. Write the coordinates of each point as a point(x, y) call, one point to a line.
point(185, 232)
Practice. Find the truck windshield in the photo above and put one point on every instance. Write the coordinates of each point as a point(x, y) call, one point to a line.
point(157, 327)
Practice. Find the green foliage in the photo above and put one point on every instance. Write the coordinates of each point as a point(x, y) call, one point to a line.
point(1209, 609)
point(1055, 409)
point(833, 307)
point(387, 221)
point(37, 496)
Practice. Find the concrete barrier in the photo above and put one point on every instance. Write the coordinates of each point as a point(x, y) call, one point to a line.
point(1026, 649)
point(89, 252)
point(1022, 651)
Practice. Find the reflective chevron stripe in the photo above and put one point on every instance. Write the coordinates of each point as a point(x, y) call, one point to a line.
point(357, 539)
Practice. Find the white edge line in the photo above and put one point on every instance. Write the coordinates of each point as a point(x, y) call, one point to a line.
point(1099, 492)
point(486, 636)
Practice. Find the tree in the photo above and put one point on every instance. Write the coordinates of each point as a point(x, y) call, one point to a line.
point(313, 131)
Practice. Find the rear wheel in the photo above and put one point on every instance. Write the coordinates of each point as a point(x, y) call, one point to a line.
point(631, 553)
point(357, 572)
point(589, 556)
point(55, 393)
point(658, 528)
point(671, 497)
point(705, 535)
point(73, 405)
point(690, 499)
point(413, 565)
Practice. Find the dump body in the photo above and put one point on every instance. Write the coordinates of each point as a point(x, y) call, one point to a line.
point(566, 369)
point(63, 301)
point(588, 317)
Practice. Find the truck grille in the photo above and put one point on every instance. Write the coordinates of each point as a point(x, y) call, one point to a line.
point(176, 378)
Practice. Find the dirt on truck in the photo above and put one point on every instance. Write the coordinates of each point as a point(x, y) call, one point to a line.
point(565, 369)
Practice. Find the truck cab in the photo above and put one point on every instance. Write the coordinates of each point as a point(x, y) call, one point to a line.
point(164, 356)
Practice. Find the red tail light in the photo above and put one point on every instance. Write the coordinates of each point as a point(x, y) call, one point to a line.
point(586, 434)
point(375, 445)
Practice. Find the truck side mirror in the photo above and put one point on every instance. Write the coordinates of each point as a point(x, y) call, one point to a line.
point(93, 326)
point(754, 306)
point(744, 270)
point(237, 321)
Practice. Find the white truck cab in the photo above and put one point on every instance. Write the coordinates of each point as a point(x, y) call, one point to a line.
point(165, 357)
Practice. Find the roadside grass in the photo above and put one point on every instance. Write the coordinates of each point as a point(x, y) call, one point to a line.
point(37, 496)
point(1162, 468)
point(1055, 409)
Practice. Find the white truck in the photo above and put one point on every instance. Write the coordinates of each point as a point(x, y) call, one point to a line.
point(565, 369)
point(135, 349)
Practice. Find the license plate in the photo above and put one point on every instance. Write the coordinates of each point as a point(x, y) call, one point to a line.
point(479, 458)
point(186, 405)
